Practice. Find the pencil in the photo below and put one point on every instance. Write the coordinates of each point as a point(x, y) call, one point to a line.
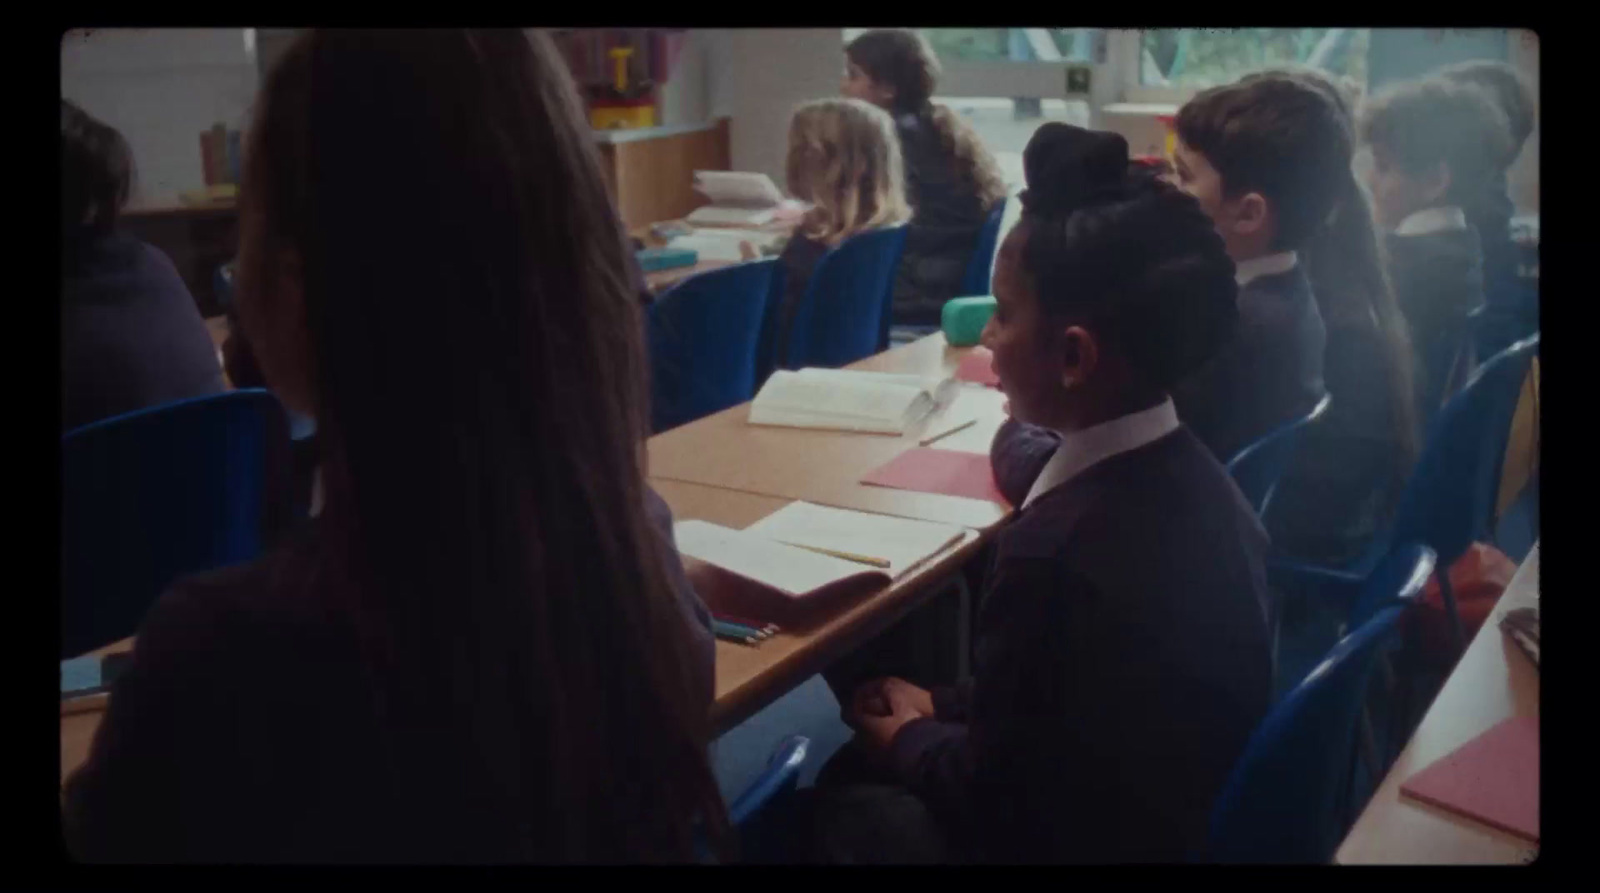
point(735, 637)
point(768, 628)
point(943, 434)
point(735, 632)
point(849, 556)
point(742, 629)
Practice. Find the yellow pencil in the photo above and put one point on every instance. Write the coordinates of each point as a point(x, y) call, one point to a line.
point(947, 432)
point(848, 556)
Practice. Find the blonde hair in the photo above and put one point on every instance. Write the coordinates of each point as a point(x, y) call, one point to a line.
point(844, 158)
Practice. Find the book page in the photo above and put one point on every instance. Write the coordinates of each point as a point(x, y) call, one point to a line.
point(737, 188)
point(903, 542)
point(787, 569)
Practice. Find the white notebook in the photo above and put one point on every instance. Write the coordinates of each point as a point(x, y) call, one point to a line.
point(737, 199)
point(903, 543)
point(793, 584)
point(849, 400)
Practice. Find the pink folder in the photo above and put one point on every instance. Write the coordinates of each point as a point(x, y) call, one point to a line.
point(1494, 778)
point(975, 366)
point(939, 471)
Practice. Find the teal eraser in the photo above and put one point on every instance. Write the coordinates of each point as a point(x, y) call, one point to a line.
point(653, 259)
point(964, 318)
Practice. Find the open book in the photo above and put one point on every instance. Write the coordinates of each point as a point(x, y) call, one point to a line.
point(849, 400)
point(723, 243)
point(737, 199)
point(804, 558)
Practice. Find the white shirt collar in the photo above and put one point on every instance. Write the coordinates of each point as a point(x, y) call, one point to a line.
point(1432, 220)
point(1081, 449)
point(1246, 271)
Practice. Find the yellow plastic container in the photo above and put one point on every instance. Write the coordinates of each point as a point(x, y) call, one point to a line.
point(607, 117)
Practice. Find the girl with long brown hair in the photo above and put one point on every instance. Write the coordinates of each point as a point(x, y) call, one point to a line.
point(484, 649)
point(952, 179)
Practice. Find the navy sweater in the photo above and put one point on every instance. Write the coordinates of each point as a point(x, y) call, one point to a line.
point(947, 215)
point(131, 335)
point(245, 730)
point(1269, 373)
point(1122, 662)
point(1438, 282)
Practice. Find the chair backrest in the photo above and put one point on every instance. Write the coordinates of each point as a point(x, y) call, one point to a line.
point(980, 268)
point(157, 493)
point(1449, 502)
point(704, 334)
point(1281, 804)
point(1396, 581)
point(1257, 467)
point(781, 775)
point(844, 315)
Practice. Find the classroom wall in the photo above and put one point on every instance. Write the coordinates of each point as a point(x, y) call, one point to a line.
point(758, 76)
point(161, 87)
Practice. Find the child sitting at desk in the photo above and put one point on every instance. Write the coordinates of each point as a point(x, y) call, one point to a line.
point(1122, 653)
point(844, 160)
point(1489, 211)
point(485, 649)
point(1435, 146)
point(952, 178)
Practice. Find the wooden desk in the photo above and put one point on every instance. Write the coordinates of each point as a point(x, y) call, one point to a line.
point(826, 467)
point(749, 679)
point(661, 280)
point(1493, 681)
point(80, 717)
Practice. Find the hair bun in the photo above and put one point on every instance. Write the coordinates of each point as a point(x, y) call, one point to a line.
point(1068, 168)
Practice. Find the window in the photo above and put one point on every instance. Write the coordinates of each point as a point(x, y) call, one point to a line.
point(1191, 59)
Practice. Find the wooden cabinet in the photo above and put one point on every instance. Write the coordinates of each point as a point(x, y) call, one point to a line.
point(651, 171)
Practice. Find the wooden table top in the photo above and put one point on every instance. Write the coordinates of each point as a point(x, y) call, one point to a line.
point(749, 678)
point(661, 280)
point(1493, 681)
point(826, 467)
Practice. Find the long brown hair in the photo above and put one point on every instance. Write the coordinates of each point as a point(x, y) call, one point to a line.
point(903, 59)
point(479, 381)
point(1289, 135)
point(844, 158)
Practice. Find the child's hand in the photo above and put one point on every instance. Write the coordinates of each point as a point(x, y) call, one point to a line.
point(747, 251)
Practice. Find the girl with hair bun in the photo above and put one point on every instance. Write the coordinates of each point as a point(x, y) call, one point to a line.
point(1122, 654)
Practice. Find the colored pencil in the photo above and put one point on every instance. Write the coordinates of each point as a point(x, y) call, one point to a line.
point(739, 629)
point(745, 621)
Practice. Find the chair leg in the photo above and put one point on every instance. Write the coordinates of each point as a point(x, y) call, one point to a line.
point(1442, 574)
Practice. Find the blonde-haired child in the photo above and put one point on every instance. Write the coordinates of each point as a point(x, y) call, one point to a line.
point(844, 160)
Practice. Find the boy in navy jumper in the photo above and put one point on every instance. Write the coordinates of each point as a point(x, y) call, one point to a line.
point(1121, 652)
point(1436, 145)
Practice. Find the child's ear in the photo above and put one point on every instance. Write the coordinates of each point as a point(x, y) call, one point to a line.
point(1080, 354)
point(1436, 184)
point(1250, 214)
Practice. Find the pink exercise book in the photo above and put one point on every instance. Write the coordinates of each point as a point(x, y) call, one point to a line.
point(1494, 778)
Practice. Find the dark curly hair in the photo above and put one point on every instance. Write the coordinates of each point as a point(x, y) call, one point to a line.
point(1133, 258)
point(96, 171)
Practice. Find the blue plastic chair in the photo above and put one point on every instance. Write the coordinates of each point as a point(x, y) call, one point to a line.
point(981, 267)
point(779, 778)
point(776, 781)
point(1449, 502)
point(704, 335)
point(1282, 803)
point(223, 285)
point(157, 493)
point(1257, 467)
point(844, 315)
